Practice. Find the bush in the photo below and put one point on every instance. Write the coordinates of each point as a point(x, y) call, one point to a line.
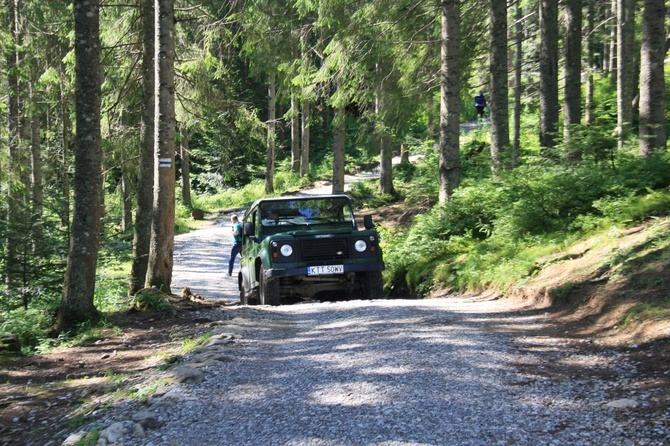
point(631, 208)
point(31, 325)
point(366, 194)
point(490, 233)
point(546, 198)
point(153, 300)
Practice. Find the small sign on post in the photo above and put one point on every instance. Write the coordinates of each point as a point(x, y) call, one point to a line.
point(164, 162)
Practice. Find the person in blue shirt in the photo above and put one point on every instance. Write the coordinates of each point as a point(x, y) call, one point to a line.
point(237, 243)
point(480, 104)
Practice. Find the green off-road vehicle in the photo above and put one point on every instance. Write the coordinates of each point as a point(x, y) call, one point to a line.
point(301, 247)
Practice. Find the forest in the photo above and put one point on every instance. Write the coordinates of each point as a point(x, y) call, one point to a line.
point(121, 118)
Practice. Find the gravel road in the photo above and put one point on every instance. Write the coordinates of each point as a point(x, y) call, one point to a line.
point(447, 371)
point(201, 261)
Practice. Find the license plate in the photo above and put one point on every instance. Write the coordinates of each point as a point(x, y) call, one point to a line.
point(328, 269)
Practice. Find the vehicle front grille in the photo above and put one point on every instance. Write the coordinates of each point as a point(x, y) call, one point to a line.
point(324, 249)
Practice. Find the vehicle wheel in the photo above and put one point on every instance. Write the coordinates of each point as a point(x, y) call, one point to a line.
point(268, 289)
point(252, 297)
point(373, 285)
point(244, 299)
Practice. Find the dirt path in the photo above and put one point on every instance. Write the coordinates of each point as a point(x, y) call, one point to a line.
point(201, 262)
point(457, 371)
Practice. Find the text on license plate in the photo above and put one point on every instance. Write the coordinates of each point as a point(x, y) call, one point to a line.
point(328, 269)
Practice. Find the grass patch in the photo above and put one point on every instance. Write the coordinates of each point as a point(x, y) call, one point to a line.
point(659, 310)
point(190, 344)
point(85, 333)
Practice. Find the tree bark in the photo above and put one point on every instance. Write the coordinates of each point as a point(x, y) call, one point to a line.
point(295, 134)
point(161, 249)
point(613, 41)
point(606, 44)
point(625, 44)
point(36, 180)
point(305, 106)
point(588, 106)
point(14, 202)
point(185, 155)
point(499, 96)
point(385, 146)
point(652, 82)
point(127, 201)
point(572, 103)
point(145, 172)
point(450, 85)
point(79, 286)
point(304, 140)
point(271, 124)
point(548, 73)
point(338, 150)
point(65, 159)
point(518, 86)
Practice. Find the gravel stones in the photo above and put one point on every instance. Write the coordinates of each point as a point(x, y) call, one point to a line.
point(396, 372)
point(187, 375)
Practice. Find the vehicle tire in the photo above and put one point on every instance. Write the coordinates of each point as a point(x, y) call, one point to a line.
point(252, 297)
point(244, 299)
point(373, 285)
point(268, 289)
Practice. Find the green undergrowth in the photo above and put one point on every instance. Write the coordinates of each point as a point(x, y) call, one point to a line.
point(493, 233)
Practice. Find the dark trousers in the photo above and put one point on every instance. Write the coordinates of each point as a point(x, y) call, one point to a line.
point(237, 249)
point(480, 110)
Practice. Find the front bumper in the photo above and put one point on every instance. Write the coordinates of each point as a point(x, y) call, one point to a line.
point(302, 270)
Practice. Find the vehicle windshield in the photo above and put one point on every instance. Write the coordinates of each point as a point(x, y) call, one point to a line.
point(306, 212)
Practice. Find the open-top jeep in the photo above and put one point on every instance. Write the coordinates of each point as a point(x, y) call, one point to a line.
point(304, 246)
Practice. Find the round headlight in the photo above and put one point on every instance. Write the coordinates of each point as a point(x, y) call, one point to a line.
point(360, 245)
point(286, 250)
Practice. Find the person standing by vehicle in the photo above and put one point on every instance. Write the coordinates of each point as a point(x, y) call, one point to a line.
point(480, 104)
point(237, 243)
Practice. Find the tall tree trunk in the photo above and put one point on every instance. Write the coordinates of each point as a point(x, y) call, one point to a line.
point(386, 162)
point(271, 125)
point(572, 103)
point(161, 249)
point(518, 87)
point(613, 40)
point(145, 171)
point(304, 140)
point(14, 201)
point(295, 134)
point(588, 106)
point(499, 86)
point(625, 46)
point(450, 86)
point(338, 150)
point(549, 73)
point(65, 159)
point(185, 155)
point(127, 201)
point(606, 46)
point(385, 146)
point(305, 120)
point(327, 114)
point(652, 82)
point(36, 183)
point(79, 287)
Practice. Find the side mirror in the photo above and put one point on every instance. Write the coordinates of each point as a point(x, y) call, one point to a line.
point(367, 222)
point(248, 229)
